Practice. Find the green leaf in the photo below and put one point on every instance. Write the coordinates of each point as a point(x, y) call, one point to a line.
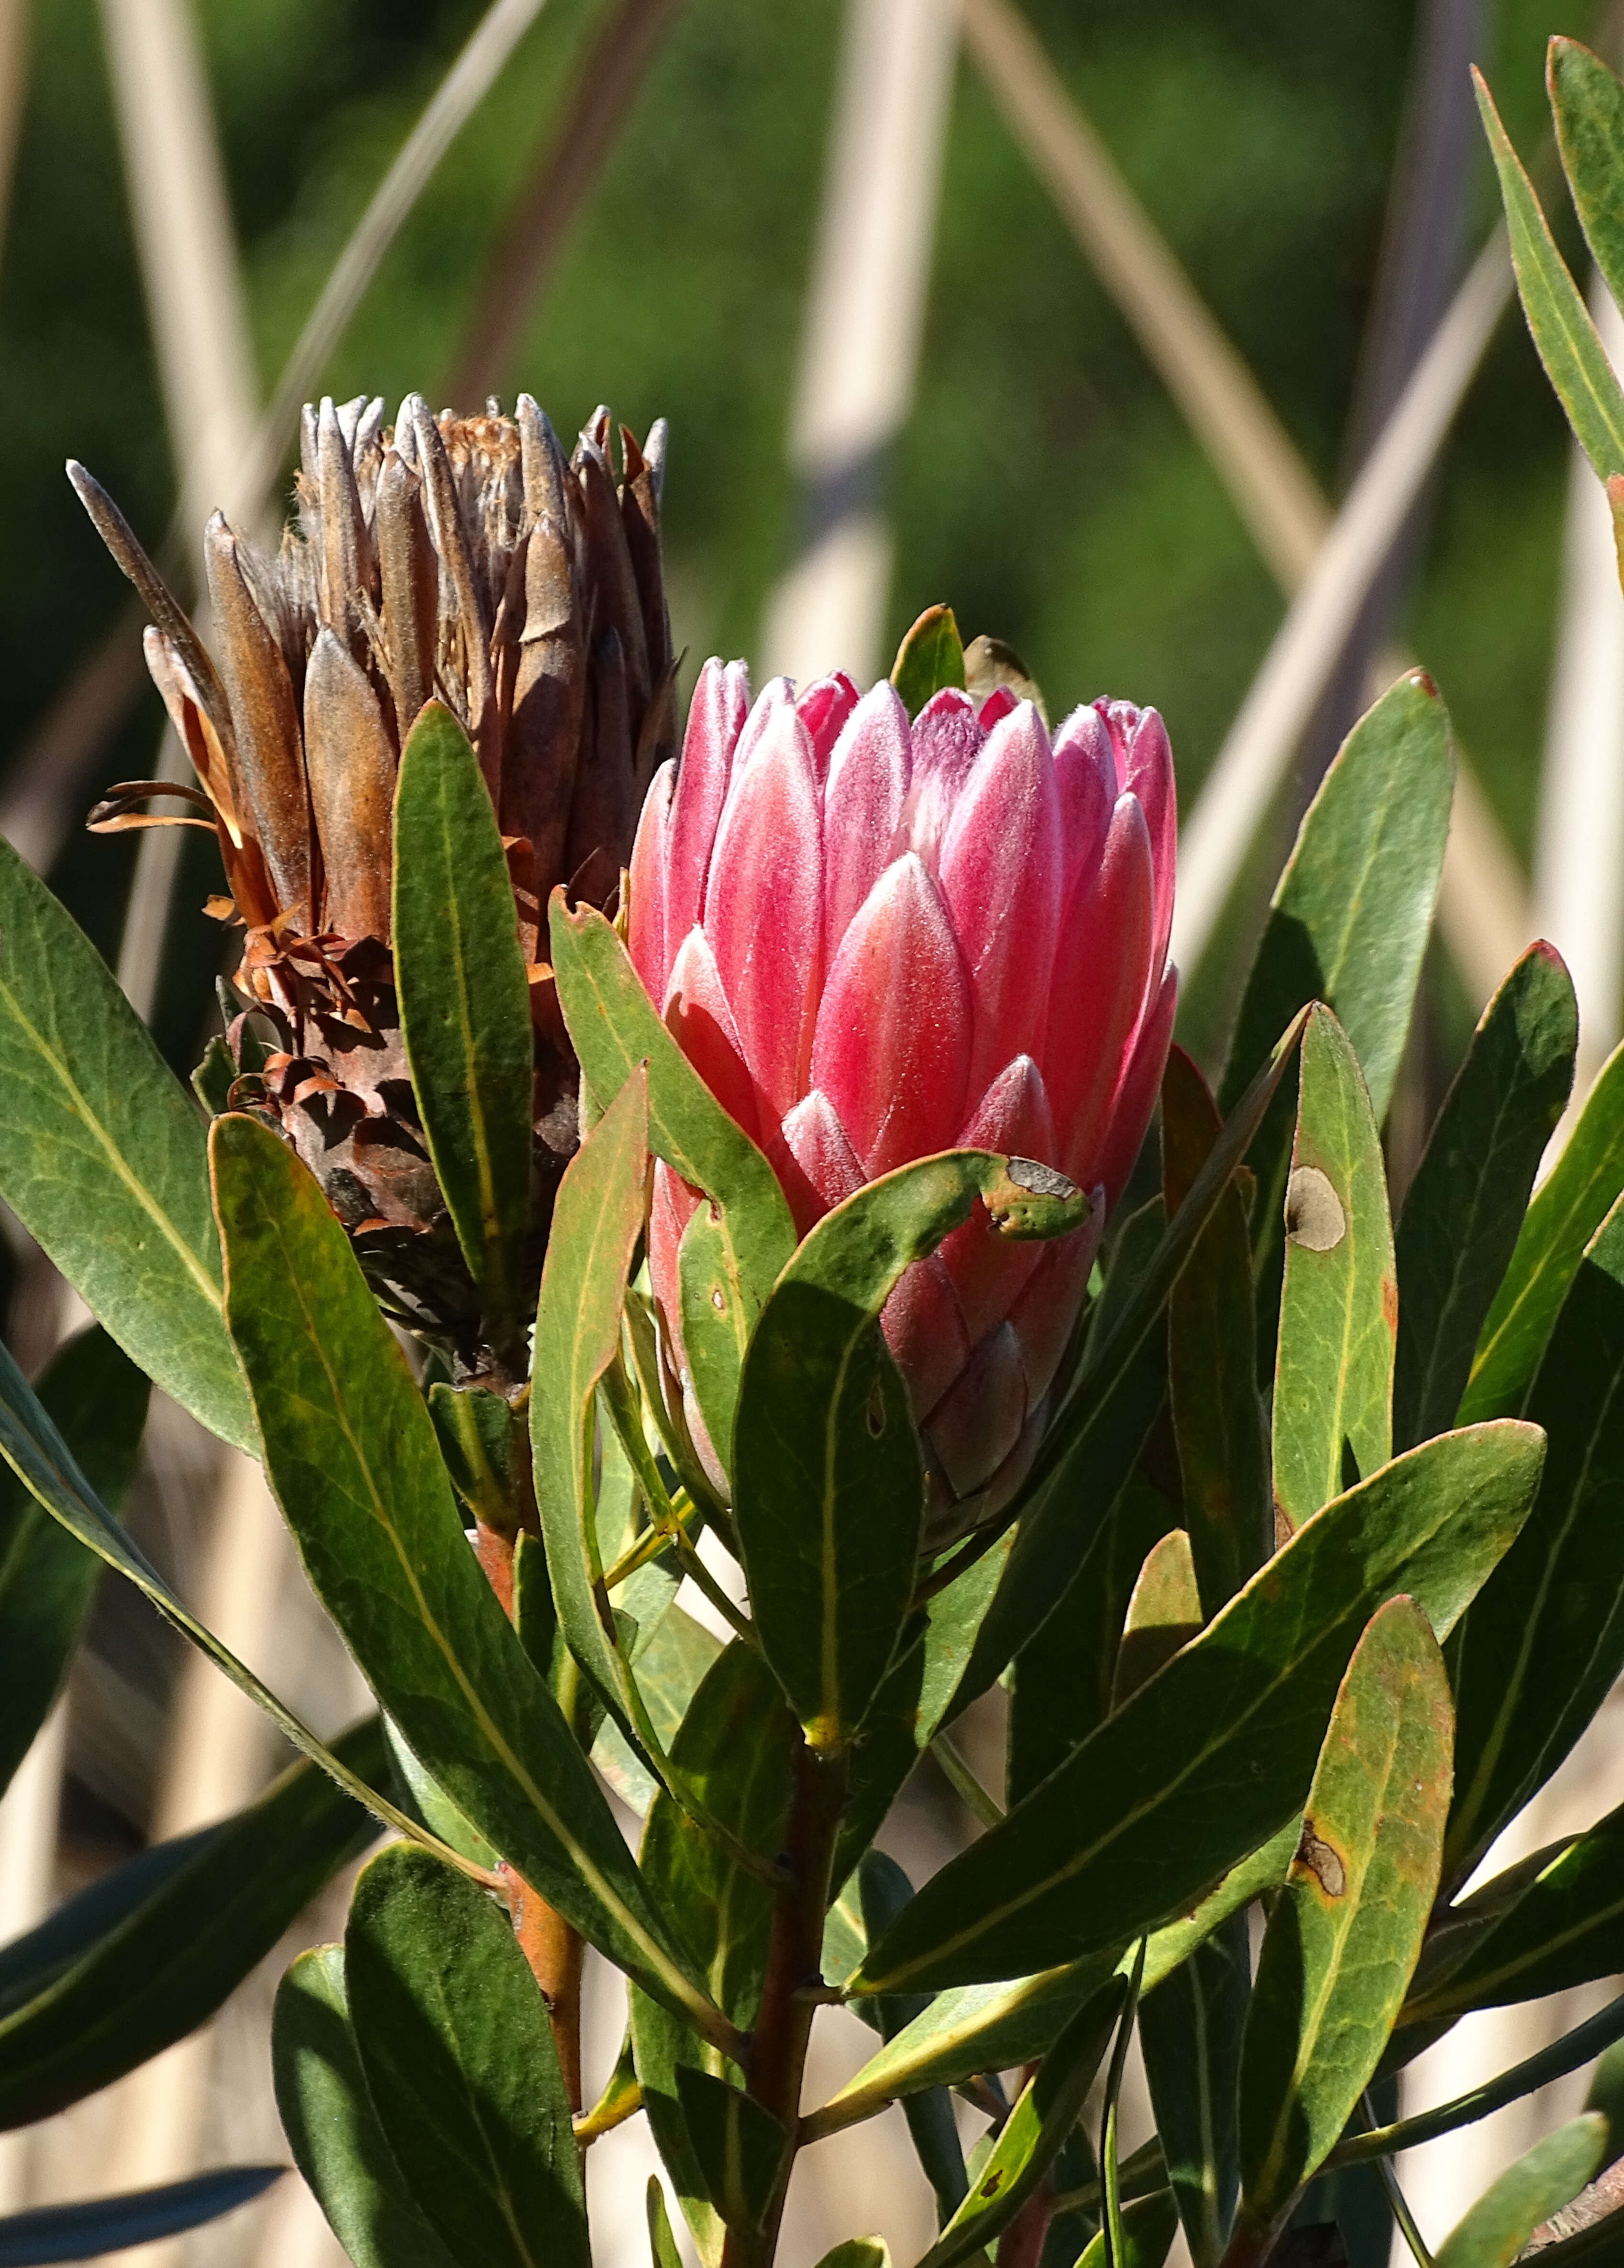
point(1563, 1929)
point(1348, 924)
point(1149, 2226)
point(211, 1081)
point(331, 2126)
point(929, 659)
point(881, 1890)
point(597, 1220)
point(737, 2146)
point(1350, 915)
point(145, 1955)
point(1338, 1299)
point(103, 1159)
point(1342, 1942)
point(717, 1317)
point(431, 1804)
point(1163, 1614)
point(1575, 360)
point(1541, 2183)
point(858, 2252)
point(110, 2224)
point(98, 1400)
point(458, 2053)
point(465, 1008)
point(1466, 1205)
point(475, 1431)
point(670, 1671)
point(1567, 1208)
point(1031, 2137)
point(733, 1750)
point(1061, 1682)
point(1540, 1651)
point(1070, 1521)
point(662, 2244)
point(37, 1453)
point(1168, 1793)
point(1190, 2034)
point(1094, 1439)
point(1211, 1355)
point(829, 1481)
point(1587, 104)
point(615, 1026)
point(974, 2027)
point(351, 1454)
point(924, 1688)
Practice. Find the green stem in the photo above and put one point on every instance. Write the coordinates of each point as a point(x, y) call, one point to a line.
point(982, 1806)
point(1566, 2054)
point(1116, 2248)
point(793, 1984)
point(1401, 2213)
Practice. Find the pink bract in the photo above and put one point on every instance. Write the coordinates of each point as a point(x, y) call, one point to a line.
point(876, 939)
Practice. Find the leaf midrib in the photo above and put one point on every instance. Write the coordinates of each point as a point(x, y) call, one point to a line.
point(81, 1110)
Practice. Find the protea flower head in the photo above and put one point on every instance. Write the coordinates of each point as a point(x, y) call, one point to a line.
point(458, 557)
point(877, 940)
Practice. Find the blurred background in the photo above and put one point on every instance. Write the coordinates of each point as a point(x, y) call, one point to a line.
point(1169, 343)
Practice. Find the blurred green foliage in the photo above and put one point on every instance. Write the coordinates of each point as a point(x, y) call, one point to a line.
point(1045, 484)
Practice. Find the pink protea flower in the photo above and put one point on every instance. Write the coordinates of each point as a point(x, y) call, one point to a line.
point(876, 940)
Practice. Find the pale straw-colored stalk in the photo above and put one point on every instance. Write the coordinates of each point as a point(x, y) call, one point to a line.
point(188, 250)
point(1482, 910)
point(1251, 767)
point(859, 354)
point(14, 28)
point(458, 94)
point(1579, 839)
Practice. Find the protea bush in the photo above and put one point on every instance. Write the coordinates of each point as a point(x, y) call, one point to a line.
point(818, 1231)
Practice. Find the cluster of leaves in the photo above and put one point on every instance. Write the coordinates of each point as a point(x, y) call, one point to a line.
point(1314, 1582)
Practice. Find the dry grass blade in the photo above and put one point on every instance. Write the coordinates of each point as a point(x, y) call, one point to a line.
point(605, 88)
point(859, 352)
point(452, 104)
point(1251, 763)
point(1579, 836)
point(48, 775)
point(13, 94)
point(1271, 488)
point(1482, 908)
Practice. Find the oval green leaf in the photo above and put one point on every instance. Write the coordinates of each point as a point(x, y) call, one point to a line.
point(1338, 1298)
point(331, 2126)
point(103, 1161)
point(111, 1979)
point(1567, 1208)
point(457, 2048)
point(1541, 1649)
point(1587, 105)
point(1344, 1939)
point(929, 659)
point(1575, 360)
point(1541, 2183)
point(98, 1400)
point(1465, 1208)
point(615, 1026)
point(465, 1009)
point(1210, 1758)
point(351, 1454)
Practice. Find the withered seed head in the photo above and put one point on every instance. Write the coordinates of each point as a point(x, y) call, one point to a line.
point(459, 557)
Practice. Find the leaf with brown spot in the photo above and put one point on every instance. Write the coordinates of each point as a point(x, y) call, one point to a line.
point(1344, 1937)
point(1334, 1367)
